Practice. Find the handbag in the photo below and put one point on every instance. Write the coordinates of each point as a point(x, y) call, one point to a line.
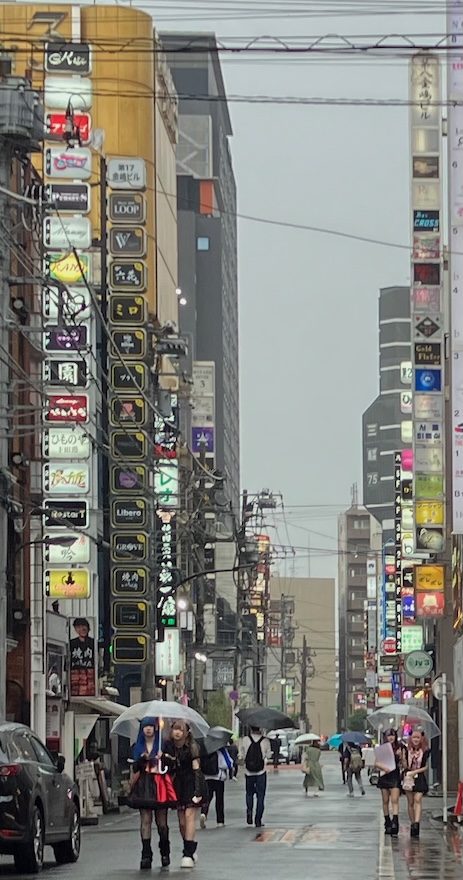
point(374, 777)
point(408, 783)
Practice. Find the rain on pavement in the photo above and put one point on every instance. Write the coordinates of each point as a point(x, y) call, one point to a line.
point(327, 837)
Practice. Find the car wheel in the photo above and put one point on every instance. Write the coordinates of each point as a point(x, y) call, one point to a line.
point(29, 860)
point(68, 850)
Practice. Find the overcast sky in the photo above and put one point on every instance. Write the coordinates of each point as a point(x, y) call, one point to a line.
point(308, 301)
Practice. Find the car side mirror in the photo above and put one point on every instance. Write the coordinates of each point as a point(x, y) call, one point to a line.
point(60, 762)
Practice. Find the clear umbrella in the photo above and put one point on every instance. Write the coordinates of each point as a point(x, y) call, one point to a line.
point(397, 714)
point(127, 723)
point(305, 738)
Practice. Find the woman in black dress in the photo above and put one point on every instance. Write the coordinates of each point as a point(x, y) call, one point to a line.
point(390, 783)
point(182, 753)
point(415, 783)
point(152, 791)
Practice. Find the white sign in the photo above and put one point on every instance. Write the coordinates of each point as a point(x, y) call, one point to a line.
point(429, 460)
point(126, 172)
point(68, 304)
point(73, 164)
point(412, 638)
point(66, 479)
point(166, 483)
point(67, 232)
point(204, 377)
point(418, 664)
point(73, 553)
point(406, 372)
point(62, 91)
point(65, 443)
point(406, 402)
point(168, 654)
point(428, 406)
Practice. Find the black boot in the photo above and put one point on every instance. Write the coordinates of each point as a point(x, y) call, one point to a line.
point(395, 826)
point(164, 849)
point(146, 856)
point(415, 829)
point(387, 825)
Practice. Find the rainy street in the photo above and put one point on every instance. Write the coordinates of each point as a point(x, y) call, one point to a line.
point(329, 836)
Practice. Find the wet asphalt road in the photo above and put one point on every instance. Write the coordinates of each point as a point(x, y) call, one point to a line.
point(327, 837)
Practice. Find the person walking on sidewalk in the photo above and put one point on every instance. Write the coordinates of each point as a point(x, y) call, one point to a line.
point(217, 768)
point(182, 752)
point(310, 766)
point(255, 750)
point(152, 791)
point(415, 784)
point(353, 765)
point(275, 745)
point(390, 783)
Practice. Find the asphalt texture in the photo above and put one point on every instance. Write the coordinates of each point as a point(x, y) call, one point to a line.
point(329, 836)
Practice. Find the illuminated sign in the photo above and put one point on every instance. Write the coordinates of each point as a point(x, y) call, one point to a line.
point(128, 478)
point(128, 445)
point(63, 584)
point(130, 648)
point(75, 164)
point(133, 377)
point(166, 483)
point(129, 512)
point(126, 207)
point(64, 443)
point(64, 372)
point(129, 241)
point(67, 268)
point(426, 221)
point(129, 581)
point(127, 275)
point(127, 309)
point(56, 126)
point(65, 513)
point(67, 232)
point(66, 57)
point(129, 615)
point(64, 338)
point(74, 197)
point(126, 172)
point(130, 343)
point(75, 553)
point(62, 408)
point(128, 410)
point(66, 479)
point(129, 547)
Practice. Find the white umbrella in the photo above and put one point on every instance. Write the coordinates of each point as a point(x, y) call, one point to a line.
point(128, 723)
point(397, 714)
point(305, 738)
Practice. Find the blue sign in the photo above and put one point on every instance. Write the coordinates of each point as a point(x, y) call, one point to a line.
point(202, 438)
point(428, 380)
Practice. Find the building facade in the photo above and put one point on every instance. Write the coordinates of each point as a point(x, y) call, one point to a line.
point(386, 424)
point(355, 528)
point(207, 237)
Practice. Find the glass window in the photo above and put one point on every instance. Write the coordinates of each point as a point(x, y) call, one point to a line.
point(202, 243)
point(24, 746)
point(43, 756)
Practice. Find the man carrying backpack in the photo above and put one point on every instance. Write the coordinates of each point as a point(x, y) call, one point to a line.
point(216, 768)
point(255, 749)
point(353, 763)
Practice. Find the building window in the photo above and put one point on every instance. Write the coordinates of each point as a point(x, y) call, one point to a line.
point(372, 454)
point(202, 243)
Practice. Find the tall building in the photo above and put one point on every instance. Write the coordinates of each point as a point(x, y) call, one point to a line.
point(355, 534)
point(303, 608)
point(207, 239)
point(386, 424)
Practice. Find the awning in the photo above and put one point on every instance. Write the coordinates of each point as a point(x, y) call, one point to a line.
point(103, 707)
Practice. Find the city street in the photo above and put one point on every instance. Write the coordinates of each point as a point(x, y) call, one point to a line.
point(329, 837)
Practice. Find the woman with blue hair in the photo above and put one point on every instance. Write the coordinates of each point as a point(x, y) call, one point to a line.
point(152, 790)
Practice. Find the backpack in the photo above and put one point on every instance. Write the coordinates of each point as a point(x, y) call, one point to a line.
point(210, 764)
point(254, 761)
point(356, 761)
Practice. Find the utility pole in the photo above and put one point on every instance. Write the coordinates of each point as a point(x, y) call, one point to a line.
point(283, 654)
point(200, 597)
point(240, 596)
point(17, 129)
point(304, 659)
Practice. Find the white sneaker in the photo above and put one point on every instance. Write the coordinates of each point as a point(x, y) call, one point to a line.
point(187, 862)
point(220, 824)
point(202, 820)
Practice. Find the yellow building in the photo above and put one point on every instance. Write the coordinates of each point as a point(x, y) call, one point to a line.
point(313, 617)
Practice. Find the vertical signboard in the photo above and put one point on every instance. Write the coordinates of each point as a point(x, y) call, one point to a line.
point(455, 144)
point(427, 305)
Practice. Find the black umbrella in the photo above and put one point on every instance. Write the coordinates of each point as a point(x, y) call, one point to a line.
point(217, 738)
point(268, 719)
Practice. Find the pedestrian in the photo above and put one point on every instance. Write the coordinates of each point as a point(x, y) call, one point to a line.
point(353, 765)
point(275, 745)
point(390, 783)
point(415, 784)
point(217, 768)
point(310, 766)
point(151, 791)
point(232, 750)
point(341, 758)
point(182, 752)
point(255, 750)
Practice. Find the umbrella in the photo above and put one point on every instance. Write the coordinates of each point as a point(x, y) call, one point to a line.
point(217, 737)
point(268, 719)
point(127, 723)
point(305, 738)
point(349, 736)
point(397, 714)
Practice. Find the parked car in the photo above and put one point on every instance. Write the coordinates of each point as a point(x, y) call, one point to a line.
point(39, 803)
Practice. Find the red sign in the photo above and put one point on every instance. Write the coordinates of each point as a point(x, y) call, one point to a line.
point(56, 125)
point(389, 646)
point(63, 408)
point(430, 603)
